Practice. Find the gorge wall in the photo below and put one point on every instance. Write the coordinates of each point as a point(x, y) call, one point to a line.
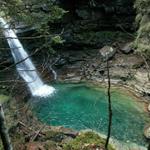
point(93, 22)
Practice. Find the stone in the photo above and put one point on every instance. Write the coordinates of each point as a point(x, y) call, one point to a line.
point(142, 76)
point(126, 48)
point(61, 62)
point(148, 108)
point(71, 75)
point(74, 79)
point(131, 61)
point(107, 52)
point(147, 132)
point(120, 74)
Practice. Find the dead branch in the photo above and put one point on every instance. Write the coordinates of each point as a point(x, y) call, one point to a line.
point(36, 50)
point(37, 133)
point(29, 132)
point(27, 38)
point(51, 67)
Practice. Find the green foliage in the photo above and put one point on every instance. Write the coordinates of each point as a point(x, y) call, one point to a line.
point(34, 13)
point(102, 37)
point(37, 13)
point(143, 21)
point(3, 98)
point(57, 40)
point(85, 141)
point(1, 146)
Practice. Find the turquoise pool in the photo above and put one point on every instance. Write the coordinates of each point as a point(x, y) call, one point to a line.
point(84, 106)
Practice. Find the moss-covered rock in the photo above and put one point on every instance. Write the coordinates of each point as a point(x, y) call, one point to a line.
point(86, 141)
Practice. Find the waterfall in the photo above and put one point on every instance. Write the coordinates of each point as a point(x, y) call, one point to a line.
point(24, 65)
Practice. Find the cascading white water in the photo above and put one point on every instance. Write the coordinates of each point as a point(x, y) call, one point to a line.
point(25, 67)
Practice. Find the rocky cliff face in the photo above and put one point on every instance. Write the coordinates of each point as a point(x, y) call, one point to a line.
point(105, 14)
point(93, 22)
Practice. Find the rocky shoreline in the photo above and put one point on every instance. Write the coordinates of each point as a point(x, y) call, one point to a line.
point(127, 70)
point(28, 133)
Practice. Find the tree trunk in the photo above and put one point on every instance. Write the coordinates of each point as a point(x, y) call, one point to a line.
point(109, 108)
point(3, 132)
point(148, 146)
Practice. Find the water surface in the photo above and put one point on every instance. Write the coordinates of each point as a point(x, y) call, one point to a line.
point(83, 106)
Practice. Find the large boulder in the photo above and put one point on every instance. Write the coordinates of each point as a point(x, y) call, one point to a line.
point(107, 52)
point(147, 132)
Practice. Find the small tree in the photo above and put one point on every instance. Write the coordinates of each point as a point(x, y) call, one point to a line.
point(109, 106)
point(3, 132)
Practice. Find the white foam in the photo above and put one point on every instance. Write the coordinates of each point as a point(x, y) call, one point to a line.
point(44, 91)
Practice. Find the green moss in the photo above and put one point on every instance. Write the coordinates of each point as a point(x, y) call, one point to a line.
point(143, 21)
point(50, 145)
point(54, 136)
point(86, 141)
point(3, 98)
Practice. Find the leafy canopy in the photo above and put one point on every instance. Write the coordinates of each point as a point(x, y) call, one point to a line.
point(33, 13)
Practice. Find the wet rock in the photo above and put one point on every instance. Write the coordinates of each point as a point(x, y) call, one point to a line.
point(74, 79)
point(147, 132)
point(71, 75)
point(71, 134)
point(61, 62)
point(107, 52)
point(127, 48)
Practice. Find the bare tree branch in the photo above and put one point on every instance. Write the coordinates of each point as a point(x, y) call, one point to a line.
point(27, 38)
point(147, 66)
point(38, 49)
